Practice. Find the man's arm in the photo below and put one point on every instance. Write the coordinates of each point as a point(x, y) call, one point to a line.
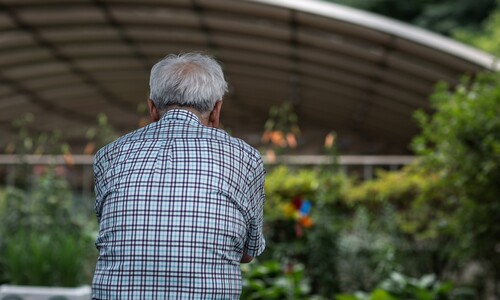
point(255, 242)
point(246, 258)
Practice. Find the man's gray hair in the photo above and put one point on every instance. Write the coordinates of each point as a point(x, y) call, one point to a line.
point(191, 79)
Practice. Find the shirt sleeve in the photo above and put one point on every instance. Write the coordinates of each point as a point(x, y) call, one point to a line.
point(255, 243)
point(99, 172)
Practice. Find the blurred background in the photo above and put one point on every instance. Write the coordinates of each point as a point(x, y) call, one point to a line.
point(378, 122)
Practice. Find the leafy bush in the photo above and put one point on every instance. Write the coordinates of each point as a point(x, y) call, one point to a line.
point(488, 38)
point(46, 205)
point(283, 185)
point(54, 258)
point(366, 251)
point(270, 280)
point(419, 197)
point(43, 239)
point(400, 287)
point(313, 243)
point(461, 142)
point(361, 233)
point(403, 222)
point(445, 205)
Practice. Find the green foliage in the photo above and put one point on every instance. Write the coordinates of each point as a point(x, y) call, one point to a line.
point(283, 184)
point(442, 16)
point(322, 251)
point(29, 141)
point(43, 239)
point(420, 197)
point(446, 16)
point(377, 294)
point(281, 127)
point(282, 118)
point(270, 280)
point(361, 233)
point(445, 205)
point(46, 237)
point(314, 246)
point(487, 38)
point(46, 206)
point(323, 187)
point(409, 222)
point(366, 250)
point(461, 141)
point(52, 258)
point(100, 135)
point(425, 288)
point(400, 287)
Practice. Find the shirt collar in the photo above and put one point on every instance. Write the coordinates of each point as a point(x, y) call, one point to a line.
point(181, 114)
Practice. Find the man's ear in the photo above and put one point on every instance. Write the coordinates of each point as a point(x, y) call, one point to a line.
point(153, 111)
point(213, 118)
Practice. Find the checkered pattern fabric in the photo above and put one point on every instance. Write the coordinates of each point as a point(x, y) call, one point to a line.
point(178, 203)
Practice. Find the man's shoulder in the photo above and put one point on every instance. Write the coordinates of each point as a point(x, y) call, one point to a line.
point(113, 146)
point(244, 147)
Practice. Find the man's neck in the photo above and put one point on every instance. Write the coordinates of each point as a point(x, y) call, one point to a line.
point(202, 117)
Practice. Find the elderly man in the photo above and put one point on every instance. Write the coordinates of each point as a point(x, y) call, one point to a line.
point(179, 202)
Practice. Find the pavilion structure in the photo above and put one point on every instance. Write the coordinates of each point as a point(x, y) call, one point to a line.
point(344, 70)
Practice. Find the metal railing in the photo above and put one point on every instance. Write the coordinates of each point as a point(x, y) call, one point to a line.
point(364, 165)
point(343, 160)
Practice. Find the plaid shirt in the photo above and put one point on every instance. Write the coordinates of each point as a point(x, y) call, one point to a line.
point(178, 203)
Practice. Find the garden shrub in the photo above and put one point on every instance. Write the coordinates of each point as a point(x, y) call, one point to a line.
point(366, 252)
point(303, 216)
point(400, 287)
point(421, 222)
point(446, 208)
point(46, 232)
point(45, 240)
point(461, 142)
point(52, 258)
point(360, 233)
point(272, 280)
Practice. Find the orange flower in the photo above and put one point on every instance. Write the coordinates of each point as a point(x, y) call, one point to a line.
point(291, 140)
point(271, 155)
point(278, 138)
point(306, 222)
point(266, 136)
point(329, 140)
point(68, 159)
point(89, 148)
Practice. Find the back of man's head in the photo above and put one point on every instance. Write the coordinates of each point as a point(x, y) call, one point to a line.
point(188, 80)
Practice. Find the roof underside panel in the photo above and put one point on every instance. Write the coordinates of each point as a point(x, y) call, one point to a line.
point(358, 74)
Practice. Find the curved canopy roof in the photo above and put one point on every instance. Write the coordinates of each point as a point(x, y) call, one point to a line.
point(346, 70)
